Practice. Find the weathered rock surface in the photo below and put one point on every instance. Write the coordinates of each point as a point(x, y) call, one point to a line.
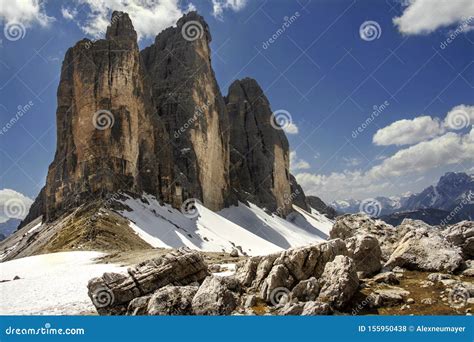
point(339, 282)
point(311, 308)
point(172, 300)
point(112, 292)
point(188, 100)
point(424, 248)
point(306, 290)
point(366, 253)
point(389, 296)
point(259, 151)
point(216, 296)
point(319, 205)
point(265, 274)
point(462, 235)
point(386, 277)
point(350, 225)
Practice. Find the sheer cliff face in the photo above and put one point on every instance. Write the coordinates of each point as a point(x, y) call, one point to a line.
point(108, 135)
point(259, 152)
point(189, 101)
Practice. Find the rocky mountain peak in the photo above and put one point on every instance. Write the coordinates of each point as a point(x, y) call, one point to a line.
point(121, 26)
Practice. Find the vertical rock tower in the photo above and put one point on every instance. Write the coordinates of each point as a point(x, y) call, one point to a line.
point(259, 150)
point(190, 103)
point(108, 134)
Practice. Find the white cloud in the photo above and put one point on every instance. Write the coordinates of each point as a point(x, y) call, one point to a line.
point(407, 132)
point(68, 13)
point(443, 151)
point(425, 16)
point(13, 205)
point(149, 17)
point(290, 128)
point(297, 164)
point(26, 12)
point(422, 128)
point(218, 6)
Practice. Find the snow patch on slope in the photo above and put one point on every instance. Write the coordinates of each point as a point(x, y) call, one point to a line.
point(247, 228)
point(50, 284)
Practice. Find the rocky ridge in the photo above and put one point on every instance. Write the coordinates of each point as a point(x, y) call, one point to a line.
point(347, 274)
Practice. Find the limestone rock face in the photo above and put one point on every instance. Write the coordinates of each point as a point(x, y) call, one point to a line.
point(108, 134)
point(339, 282)
point(172, 300)
point(188, 100)
point(462, 235)
point(112, 293)
point(216, 296)
point(259, 152)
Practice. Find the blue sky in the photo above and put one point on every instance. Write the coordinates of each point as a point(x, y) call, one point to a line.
point(321, 69)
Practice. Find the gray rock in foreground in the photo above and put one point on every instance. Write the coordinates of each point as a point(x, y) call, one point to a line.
point(112, 292)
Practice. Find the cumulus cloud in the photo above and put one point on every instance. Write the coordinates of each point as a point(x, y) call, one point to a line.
point(26, 12)
point(422, 128)
point(149, 17)
point(218, 6)
point(426, 16)
point(448, 149)
point(296, 163)
point(13, 205)
point(291, 128)
point(407, 132)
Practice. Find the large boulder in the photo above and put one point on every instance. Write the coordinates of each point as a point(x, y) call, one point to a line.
point(366, 253)
point(351, 225)
point(271, 274)
point(424, 248)
point(172, 300)
point(339, 282)
point(216, 296)
point(112, 292)
point(462, 235)
point(306, 290)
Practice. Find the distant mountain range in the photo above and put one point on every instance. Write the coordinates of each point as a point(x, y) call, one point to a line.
point(450, 200)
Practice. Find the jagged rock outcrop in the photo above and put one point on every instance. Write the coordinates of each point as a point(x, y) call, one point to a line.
point(462, 235)
point(188, 100)
point(319, 205)
point(109, 136)
point(259, 152)
point(112, 293)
